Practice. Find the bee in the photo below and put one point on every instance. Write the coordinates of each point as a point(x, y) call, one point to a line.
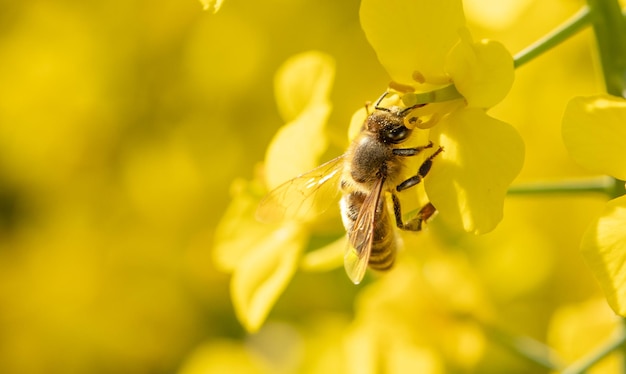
point(372, 167)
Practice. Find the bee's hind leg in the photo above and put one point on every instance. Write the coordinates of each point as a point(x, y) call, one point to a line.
point(415, 223)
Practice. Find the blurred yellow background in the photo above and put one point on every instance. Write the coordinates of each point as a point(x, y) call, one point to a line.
point(123, 124)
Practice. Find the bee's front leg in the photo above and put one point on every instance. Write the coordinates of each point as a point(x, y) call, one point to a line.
point(408, 152)
point(421, 173)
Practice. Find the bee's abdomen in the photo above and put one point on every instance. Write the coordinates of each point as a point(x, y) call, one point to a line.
point(383, 251)
point(384, 244)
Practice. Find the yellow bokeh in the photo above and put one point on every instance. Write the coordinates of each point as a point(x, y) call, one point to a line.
point(123, 125)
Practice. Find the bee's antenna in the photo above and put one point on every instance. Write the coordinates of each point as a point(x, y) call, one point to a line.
point(401, 113)
point(377, 105)
point(406, 110)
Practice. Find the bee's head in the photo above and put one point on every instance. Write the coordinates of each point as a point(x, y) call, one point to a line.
point(388, 126)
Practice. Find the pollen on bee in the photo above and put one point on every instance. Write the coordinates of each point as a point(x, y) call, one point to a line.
point(418, 77)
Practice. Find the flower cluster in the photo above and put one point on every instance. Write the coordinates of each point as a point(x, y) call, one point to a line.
point(425, 46)
point(263, 257)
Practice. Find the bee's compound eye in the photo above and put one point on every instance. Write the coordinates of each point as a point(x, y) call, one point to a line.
point(397, 134)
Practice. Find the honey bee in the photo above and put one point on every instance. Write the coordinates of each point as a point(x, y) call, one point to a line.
point(371, 168)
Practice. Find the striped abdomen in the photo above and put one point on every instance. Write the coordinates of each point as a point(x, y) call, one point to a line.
point(383, 246)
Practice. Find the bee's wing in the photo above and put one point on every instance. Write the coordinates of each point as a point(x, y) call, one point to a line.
point(361, 235)
point(311, 192)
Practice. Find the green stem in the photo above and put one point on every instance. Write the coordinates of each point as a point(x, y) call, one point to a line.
point(585, 363)
point(525, 347)
point(604, 185)
point(619, 188)
point(446, 93)
point(610, 30)
point(570, 27)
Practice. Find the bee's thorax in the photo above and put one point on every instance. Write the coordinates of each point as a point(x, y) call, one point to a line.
point(368, 156)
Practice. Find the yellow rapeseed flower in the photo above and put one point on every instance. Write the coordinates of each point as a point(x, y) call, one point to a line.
point(424, 45)
point(263, 257)
point(420, 317)
point(594, 133)
point(212, 5)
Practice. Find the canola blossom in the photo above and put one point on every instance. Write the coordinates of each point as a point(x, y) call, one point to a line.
point(138, 140)
point(595, 135)
point(460, 80)
point(264, 257)
point(467, 183)
point(425, 46)
point(212, 5)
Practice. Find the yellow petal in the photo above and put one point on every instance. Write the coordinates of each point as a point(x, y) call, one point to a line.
point(482, 72)
point(412, 38)
point(327, 258)
point(469, 180)
point(356, 123)
point(303, 79)
point(361, 349)
point(302, 87)
point(604, 248)
point(238, 231)
point(222, 356)
point(594, 133)
point(213, 5)
point(262, 275)
point(496, 15)
point(297, 146)
point(407, 357)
